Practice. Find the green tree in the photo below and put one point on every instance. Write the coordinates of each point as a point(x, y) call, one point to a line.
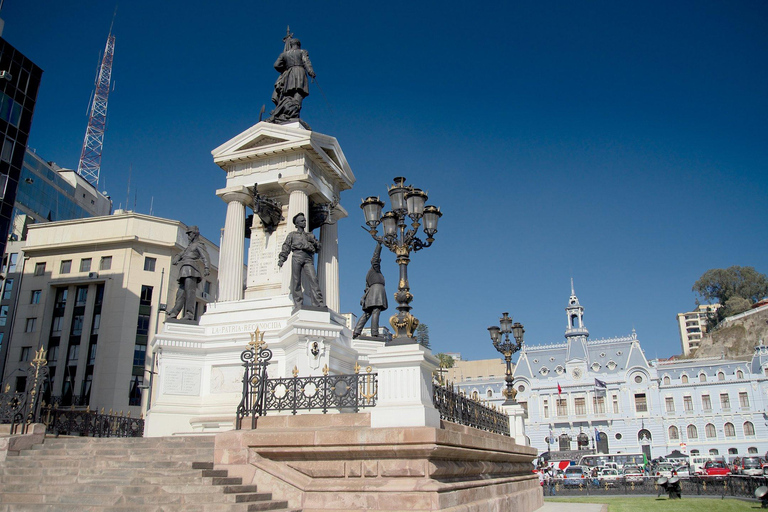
point(446, 361)
point(422, 335)
point(721, 284)
point(736, 305)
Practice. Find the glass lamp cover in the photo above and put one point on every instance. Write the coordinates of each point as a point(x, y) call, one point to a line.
point(416, 199)
point(506, 323)
point(397, 194)
point(372, 210)
point(495, 333)
point(431, 216)
point(518, 331)
point(390, 223)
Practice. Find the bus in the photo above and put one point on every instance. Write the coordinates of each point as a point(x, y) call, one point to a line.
point(619, 459)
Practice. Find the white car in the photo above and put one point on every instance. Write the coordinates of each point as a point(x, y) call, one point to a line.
point(664, 470)
point(682, 471)
point(610, 477)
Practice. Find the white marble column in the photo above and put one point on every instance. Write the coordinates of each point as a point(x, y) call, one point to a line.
point(328, 261)
point(298, 202)
point(232, 244)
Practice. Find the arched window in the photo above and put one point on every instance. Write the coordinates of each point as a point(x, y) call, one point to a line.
point(674, 433)
point(703, 377)
point(693, 433)
point(714, 451)
point(710, 431)
point(489, 393)
point(666, 380)
point(752, 449)
point(720, 376)
point(475, 396)
point(749, 428)
point(739, 374)
point(644, 435)
point(684, 379)
point(733, 451)
point(696, 452)
point(729, 430)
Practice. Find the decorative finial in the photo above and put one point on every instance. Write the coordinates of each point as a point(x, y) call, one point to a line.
point(573, 292)
point(257, 340)
point(326, 370)
point(357, 367)
point(295, 371)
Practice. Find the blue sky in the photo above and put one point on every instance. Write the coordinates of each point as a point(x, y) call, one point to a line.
point(623, 144)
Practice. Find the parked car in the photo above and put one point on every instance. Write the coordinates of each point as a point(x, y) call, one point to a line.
point(609, 476)
point(633, 474)
point(575, 476)
point(716, 468)
point(752, 466)
point(664, 470)
point(682, 471)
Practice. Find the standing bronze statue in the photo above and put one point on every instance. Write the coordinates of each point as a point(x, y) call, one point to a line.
point(292, 86)
point(304, 245)
point(190, 260)
point(374, 299)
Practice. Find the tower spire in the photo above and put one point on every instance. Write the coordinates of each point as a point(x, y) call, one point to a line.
point(575, 314)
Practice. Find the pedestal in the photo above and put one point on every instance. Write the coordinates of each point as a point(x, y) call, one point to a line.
point(516, 415)
point(405, 387)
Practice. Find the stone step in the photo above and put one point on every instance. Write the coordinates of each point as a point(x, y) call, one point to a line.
point(98, 463)
point(148, 455)
point(61, 507)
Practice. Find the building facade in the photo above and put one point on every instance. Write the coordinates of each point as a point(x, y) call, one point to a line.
point(19, 83)
point(693, 325)
point(91, 294)
point(45, 193)
point(604, 395)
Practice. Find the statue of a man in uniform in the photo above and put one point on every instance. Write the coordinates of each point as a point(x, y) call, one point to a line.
point(292, 86)
point(374, 299)
point(193, 263)
point(303, 245)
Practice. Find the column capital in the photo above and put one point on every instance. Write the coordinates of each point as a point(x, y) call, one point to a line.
point(238, 193)
point(338, 213)
point(291, 185)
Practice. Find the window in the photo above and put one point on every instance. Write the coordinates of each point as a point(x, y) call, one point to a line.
point(714, 451)
point(134, 396)
point(53, 354)
point(580, 406)
point(670, 404)
point(77, 325)
point(562, 407)
point(35, 297)
point(489, 393)
point(40, 268)
point(85, 265)
point(615, 404)
point(684, 379)
point(599, 403)
point(667, 381)
point(641, 405)
point(725, 401)
point(24, 354)
point(146, 296)
point(3, 315)
point(81, 295)
point(61, 298)
point(744, 400)
point(58, 321)
point(706, 403)
point(207, 289)
point(96, 323)
point(720, 376)
point(8, 289)
point(149, 264)
point(30, 326)
point(105, 263)
point(546, 409)
point(692, 432)
point(9, 263)
point(674, 433)
point(65, 267)
point(749, 428)
point(92, 354)
point(703, 377)
point(638, 379)
point(74, 353)
point(729, 430)
point(21, 384)
point(733, 451)
point(752, 450)
point(7, 151)
point(688, 403)
point(739, 374)
point(710, 431)
point(140, 354)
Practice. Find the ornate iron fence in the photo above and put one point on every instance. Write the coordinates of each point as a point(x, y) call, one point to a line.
point(73, 422)
point(735, 486)
point(456, 407)
point(23, 409)
point(342, 393)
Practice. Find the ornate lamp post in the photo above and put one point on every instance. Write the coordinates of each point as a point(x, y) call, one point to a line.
point(507, 348)
point(407, 201)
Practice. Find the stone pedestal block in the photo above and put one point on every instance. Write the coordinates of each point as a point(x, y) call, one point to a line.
point(516, 414)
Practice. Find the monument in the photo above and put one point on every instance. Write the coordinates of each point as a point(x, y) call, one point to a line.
point(190, 260)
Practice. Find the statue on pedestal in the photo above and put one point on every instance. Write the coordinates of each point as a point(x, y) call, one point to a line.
point(304, 245)
point(374, 299)
point(190, 260)
point(292, 86)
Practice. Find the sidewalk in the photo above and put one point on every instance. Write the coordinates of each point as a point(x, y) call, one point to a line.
point(573, 507)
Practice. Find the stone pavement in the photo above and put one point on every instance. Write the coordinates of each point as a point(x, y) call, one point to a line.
point(556, 506)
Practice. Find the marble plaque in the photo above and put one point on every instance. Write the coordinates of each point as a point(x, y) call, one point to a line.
point(182, 380)
point(226, 379)
point(262, 256)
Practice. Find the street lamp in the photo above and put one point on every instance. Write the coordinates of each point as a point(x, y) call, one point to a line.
point(507, 348)
point(407, 201)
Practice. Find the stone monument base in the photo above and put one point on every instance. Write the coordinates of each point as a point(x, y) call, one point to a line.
point(337, 462)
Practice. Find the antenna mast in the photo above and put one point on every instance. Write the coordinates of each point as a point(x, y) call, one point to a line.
point(93, 144)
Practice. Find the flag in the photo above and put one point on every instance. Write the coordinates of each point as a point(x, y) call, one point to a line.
point(600, 384)
point(597, 435)
point(551, 438)
point(559, 389)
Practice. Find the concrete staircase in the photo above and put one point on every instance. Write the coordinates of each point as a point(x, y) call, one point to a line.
point(82, 474)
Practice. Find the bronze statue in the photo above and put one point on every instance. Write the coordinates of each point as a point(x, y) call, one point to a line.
point(189, 261)
point(292, 86)
point(374, 299)
point(304, 245)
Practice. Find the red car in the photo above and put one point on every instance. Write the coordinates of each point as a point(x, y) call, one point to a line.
point(716, 468)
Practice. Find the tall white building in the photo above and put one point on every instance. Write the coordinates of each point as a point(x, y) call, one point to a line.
point(90, 294)
point(693, 325)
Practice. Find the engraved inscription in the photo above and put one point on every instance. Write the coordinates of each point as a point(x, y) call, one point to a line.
point(182, 380)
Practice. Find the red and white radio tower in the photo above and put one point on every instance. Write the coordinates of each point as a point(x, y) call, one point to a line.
point(90, 158)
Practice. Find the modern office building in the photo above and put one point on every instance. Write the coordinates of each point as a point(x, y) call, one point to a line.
point(46, 193)
point(19, 83)
point(693, 325)
point(91, 294)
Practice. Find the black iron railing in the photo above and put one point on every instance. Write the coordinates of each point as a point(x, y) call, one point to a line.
point(457, 408)
point(80, 422)
point(13, 408)
point(340, 393)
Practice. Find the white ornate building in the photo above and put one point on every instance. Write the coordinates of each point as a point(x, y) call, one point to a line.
point(708, 406)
